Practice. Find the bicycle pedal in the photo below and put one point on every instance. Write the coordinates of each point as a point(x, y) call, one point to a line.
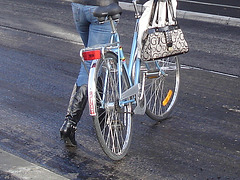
point(123, 112)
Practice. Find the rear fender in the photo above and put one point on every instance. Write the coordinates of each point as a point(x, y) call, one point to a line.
point(92, 89)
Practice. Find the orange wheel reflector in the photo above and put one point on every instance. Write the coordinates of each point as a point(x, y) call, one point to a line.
point(168, 97)
point(91, 55)
point(152, 77)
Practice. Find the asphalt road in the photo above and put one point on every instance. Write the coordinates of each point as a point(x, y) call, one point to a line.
point(38, 67)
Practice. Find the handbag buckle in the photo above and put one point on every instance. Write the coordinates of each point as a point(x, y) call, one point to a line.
point(169, 42)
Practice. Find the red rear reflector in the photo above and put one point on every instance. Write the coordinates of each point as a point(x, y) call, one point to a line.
point(91, 55)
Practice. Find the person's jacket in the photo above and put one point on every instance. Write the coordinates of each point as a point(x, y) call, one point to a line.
point(95, 2)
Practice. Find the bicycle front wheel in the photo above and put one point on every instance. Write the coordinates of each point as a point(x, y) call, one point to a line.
point(161, 89)
point(113, 123)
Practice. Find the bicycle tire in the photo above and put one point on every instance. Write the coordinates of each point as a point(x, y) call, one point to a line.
point(113, 128)
point(162, 91)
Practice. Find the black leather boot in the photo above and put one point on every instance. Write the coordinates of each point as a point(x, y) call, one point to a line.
point(75, 109)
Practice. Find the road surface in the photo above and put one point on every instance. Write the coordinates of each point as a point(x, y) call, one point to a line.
point(39, 64)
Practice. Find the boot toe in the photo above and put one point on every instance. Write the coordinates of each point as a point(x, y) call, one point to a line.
point(67, 133)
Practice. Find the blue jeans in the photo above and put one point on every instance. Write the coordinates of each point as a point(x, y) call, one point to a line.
point(91, 32)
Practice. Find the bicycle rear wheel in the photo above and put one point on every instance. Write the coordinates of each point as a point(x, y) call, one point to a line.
point(113, 124)
point(161, 87)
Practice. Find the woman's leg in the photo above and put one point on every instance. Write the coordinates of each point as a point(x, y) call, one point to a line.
point(78, 97)
point(92, 33)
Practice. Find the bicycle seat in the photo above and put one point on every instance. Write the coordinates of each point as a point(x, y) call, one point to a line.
point(113, 10)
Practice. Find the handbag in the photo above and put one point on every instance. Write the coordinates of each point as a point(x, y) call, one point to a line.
point(161, 42)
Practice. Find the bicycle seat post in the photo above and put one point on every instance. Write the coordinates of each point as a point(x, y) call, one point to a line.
point(114, 30)
point(137, 14)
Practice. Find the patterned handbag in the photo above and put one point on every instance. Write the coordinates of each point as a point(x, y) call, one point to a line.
point(160, 42)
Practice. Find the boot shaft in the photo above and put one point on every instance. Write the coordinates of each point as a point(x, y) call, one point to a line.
point(77, 103)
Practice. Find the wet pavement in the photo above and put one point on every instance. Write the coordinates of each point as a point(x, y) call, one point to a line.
point(38, 67)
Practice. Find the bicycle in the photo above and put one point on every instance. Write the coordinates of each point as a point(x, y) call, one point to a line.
point(117, 90)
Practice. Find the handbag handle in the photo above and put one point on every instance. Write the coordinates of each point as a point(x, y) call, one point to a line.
point(154, 6)
point(168, 6)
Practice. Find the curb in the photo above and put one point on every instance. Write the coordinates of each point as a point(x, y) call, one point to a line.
point(224, 20)
point(19, 168)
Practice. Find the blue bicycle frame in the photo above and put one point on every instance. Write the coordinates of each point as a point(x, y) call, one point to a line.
point(114, 46)
point(133, 58)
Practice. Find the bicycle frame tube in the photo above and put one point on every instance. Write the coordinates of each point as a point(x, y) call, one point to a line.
point(133, 56)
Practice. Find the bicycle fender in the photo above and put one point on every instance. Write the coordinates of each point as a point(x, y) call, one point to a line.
point(92, 89)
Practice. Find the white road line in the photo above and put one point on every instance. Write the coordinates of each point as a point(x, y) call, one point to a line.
point(210, 4)
point(211, 71)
